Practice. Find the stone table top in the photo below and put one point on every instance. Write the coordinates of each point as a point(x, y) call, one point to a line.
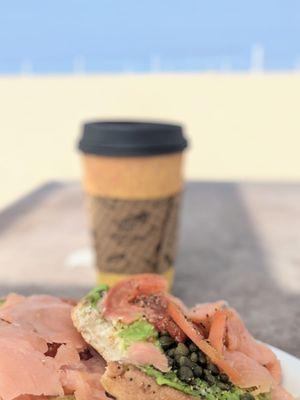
point(239, 242)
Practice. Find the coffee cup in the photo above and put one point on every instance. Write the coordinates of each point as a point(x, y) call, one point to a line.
point(132, 176)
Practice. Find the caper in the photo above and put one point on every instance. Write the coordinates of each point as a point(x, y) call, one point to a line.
point(166, 341)
point(193, 347)
point(194, 365)
point(202, 358)
point(193, 382)
point(185, 374)
point(198, 371)
point(194, 357)
point(185, 361)
point(181, 349)
point(223, 378)
point(224, 386)
point(171, 352)
point(177, 358)
point(170, 361)
point(213, 368)
point(247, 396)
point(209, 377)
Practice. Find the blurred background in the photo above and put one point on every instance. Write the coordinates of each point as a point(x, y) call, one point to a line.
point(229, 71)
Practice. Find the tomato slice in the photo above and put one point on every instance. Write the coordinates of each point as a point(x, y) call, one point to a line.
point(118, 302)
point(182, 321)
point(155, 307)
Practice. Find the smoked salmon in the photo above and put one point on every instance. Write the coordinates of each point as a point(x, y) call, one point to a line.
point(247, 362)
point(278, 393)
point(203, 345)
point(41, 352)
point(118, 303)
point(48, 316)
point(251, 373)
point(239, 339)
point(214, 328)
point(145, 353)
point(24, 370)
point(217, 332)
point(202, 314)
point(204, 311)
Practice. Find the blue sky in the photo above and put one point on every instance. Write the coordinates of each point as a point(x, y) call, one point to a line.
point(117, 35)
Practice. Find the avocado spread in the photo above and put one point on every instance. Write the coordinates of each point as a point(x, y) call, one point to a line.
point(138, 331)
point(2, 301)
point(96, 294)
point(201, 389)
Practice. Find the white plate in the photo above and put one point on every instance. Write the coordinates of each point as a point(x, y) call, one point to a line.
point(291, 371)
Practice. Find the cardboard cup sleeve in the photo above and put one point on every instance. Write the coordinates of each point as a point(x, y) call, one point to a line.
point(133, 204)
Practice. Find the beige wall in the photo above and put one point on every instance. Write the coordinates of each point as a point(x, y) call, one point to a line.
point(240, 126)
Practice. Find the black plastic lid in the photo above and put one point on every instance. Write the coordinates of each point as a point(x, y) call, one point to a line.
point(131, 138)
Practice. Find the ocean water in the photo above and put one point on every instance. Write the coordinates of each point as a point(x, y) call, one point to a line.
point(55, 36)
